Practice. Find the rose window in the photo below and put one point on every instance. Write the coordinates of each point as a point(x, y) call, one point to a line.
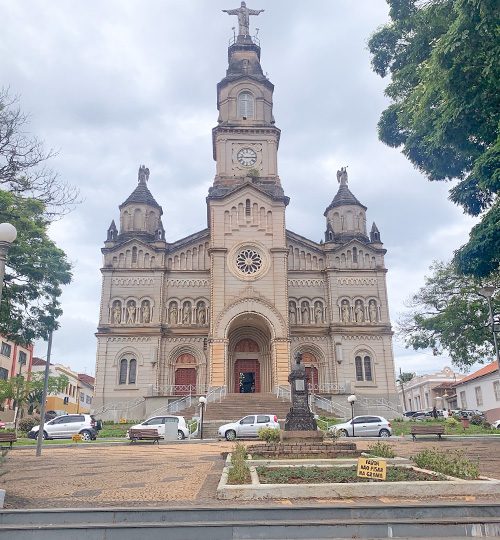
point(248, 261)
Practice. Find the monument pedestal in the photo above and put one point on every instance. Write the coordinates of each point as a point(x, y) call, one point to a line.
point(301, 436)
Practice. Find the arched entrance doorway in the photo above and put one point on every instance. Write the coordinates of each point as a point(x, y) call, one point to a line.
point(311, 364)
point(246, 370)
point(185, 375)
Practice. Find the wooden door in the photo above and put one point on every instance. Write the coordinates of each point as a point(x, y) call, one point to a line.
point(246, 366)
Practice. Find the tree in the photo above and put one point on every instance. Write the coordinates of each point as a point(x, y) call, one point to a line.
point(403, 378)
point(442, 56)
point(30, 391)
point(23, 169)
point(36, 270)
point(448, 314)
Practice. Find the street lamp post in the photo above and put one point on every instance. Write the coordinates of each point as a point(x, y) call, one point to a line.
point(202, 402)
point(351, 399)
point(8, 234)
point(487, 292)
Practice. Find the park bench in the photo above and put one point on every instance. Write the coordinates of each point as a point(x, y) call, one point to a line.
point(8, 436)
point(426, 430)
point(144, 434)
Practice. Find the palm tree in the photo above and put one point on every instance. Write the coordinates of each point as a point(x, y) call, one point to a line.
point(403, 378)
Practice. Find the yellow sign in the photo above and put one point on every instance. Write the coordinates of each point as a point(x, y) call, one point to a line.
point(372, 468)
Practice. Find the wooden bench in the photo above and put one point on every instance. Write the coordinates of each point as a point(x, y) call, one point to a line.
point(426, 430)
point(8, 436)
point(144, 434)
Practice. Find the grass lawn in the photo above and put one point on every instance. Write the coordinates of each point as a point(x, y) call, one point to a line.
point(343, 475)
point(403, 428)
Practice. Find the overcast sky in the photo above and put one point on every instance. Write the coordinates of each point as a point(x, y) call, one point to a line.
point(112, 84)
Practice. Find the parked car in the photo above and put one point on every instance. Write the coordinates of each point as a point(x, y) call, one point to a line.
point(469, 413)
point(409, 414)
point(366, 426)
point(248, 426)
point(67, 425)
point(496, 424)
point(50, 415)
point(158, 422)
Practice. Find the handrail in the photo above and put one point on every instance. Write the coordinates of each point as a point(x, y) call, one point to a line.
point(215, 393)
point(327, 405)
point(178, 390)
point(379, 402)
point(174, 406)
point(283, 392)
point(333, 388)
point(119, 405)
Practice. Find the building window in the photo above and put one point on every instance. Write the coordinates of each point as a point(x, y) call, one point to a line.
point(88, 399)
point(134, 254)
point(82, 397)
point(4, 374)
point(364, 370)
point(128, 371)
point(6, 349)
point(496, 390)
point(479, 395)
point(247, 208)
point(463, 399)
point(427, 399)
point(22, 358)
point(245, 105)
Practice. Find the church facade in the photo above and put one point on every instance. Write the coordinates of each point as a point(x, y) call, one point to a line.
point(229, 306)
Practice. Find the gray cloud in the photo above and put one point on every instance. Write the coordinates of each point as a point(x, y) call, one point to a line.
point(115, 84)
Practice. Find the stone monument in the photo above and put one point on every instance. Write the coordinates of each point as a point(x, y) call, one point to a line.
point(300, 422)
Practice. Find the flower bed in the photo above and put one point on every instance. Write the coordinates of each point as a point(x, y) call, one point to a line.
point(342, 475)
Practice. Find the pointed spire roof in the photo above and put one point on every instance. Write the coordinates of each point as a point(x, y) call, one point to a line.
point(141, 194)
point(344, 197)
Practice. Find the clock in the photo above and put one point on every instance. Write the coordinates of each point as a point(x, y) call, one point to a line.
point(246, 157)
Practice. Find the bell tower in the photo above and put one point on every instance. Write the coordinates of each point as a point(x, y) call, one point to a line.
point(245, 141)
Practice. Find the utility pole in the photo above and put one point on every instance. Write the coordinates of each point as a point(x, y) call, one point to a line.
point(44, 397)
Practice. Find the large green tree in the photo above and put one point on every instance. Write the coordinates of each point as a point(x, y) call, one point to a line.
point(31, 196)
point(448, 314)
point(36, 269)
point(442, 57)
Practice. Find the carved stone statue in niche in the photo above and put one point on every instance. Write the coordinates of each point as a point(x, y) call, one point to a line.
point(186, 313)
point(345, 311)
point(173, 313)
point(146, 312)
point(373, 311)
point(116, 316)
point(306, 315)
point(131, 312)
point(359, 314)
point(201, 317)
point(318, 313)
point(292, 313)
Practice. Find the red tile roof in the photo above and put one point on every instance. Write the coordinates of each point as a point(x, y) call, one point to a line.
point(485, 370)
point(39, 361)
point(88, 379)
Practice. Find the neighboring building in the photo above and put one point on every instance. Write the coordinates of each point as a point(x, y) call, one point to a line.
point(424, 392)
point(481, 390)
point(228, 306)
point(14, 360)
point(76, 397)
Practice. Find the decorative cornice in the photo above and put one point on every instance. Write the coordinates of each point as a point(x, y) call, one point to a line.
point(306, 282)
point(309, 338)
point(134, 339)
point(361, 337)
point(359, 281)
point(185, 339)
point(133, 281)
point(188, 282)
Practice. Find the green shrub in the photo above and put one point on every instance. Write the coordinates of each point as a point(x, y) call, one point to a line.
point(398, 419)
point(381, 449)
point(27, 423)
point(270, 435)
point(239, 473)
point(477, 420)
point(451, 464)
point(452, 422)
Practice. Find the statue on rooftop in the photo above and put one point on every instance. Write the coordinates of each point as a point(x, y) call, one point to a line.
point(342, 176)
point(143, 175)
point(243, 14)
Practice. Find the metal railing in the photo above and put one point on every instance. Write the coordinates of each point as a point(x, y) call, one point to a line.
point(283, 392)
point(380, 403)
point(327, 405)
point(174, 406)
point(215, 393)
point(234, 40)
point(327, 388)
point(120, 405)
point(178, 390)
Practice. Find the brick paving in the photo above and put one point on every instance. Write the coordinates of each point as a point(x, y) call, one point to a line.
point(179, 474)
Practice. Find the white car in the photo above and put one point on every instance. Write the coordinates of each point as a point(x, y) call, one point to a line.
point(496, 424)
point(67, 425)
point(364, 426)
point(158, 422)
point(248, 426)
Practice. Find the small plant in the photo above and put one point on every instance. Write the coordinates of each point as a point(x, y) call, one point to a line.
point(270, 435)
point(477, 420)
point(397, 419)
point(452, 422)
point(239, 473)
point(454, 464)
point(381, 449)
point(27, 423)
point(332, 434)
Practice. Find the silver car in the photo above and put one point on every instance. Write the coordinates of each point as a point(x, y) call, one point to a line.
point(158, 423)
point(67, 425)
point(364, 426)
point(248, 426)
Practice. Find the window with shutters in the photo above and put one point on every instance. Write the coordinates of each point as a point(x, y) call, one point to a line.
point(6, 349)
point(245, 105)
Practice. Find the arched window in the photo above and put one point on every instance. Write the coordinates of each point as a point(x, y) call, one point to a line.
point(134, 254)
point(132, 369)
point(128, 371)
point(245, 105)
point(247, 207)
point(123, 371)
point(364, 371)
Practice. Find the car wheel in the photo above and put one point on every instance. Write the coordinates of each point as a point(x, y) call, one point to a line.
point(45, 436)
point(180, 435)
point(230, 435)
point(86, 435)
point(343, 433)
point(384, 433)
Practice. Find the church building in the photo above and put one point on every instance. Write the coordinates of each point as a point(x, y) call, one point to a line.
point(226, 308)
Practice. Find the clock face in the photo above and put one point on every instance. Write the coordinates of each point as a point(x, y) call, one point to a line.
point(246, 157)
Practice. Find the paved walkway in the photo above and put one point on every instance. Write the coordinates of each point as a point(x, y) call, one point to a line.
point(158, 475)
